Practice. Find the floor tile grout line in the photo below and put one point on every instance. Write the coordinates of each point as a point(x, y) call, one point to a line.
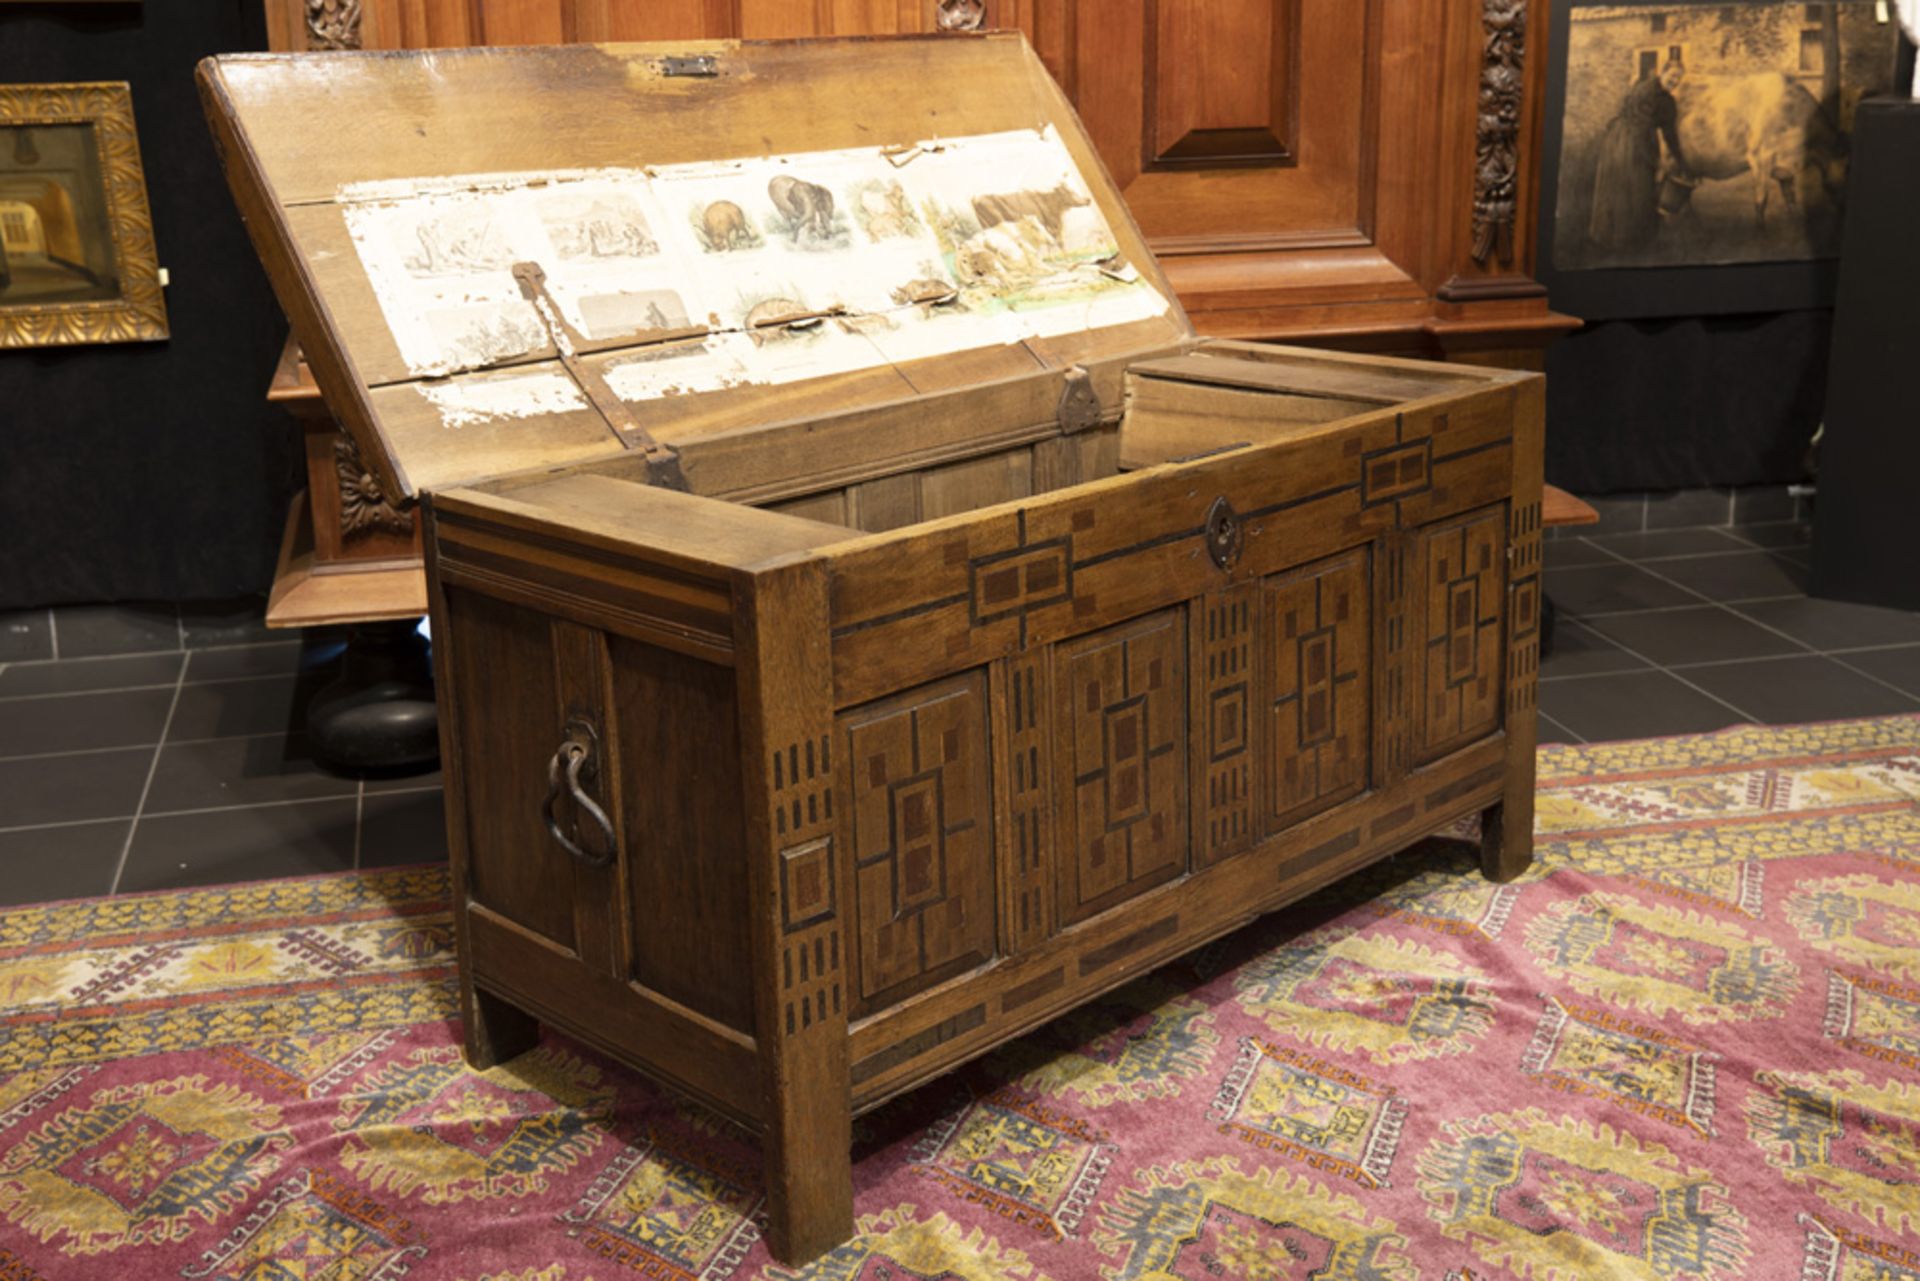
point(134, 747)
point(1674, 609)
point(1593, 541)
point(1886, 684)
point(65, 822)
point(118, 689)
point(297, 800)
point(1728, 607)
point(153, 768)
point(1559, 726)
point(215, 809)
point(1871, 649)
point(1626, 649)
point(1808, 649)
point(80, 693)
point(149, 653)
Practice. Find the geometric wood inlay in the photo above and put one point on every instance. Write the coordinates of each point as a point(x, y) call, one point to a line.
point(1121, 699)
point(1317, 620)
point(1027, 864)
point(922, 843)
point(1223, 703)
point(810, 984)
point(1526, 599)
point(1398, 471)
point(1394, 675)
point(1465, 563)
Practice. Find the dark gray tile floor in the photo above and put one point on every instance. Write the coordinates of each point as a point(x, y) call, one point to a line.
point(149, 748)
point(1676, 631)
point(146, 748)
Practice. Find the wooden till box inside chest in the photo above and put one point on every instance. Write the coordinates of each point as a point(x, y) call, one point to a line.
point(870, 622)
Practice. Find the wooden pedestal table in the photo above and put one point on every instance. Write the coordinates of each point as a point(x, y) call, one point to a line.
point(1558, 507)
point(349, 557)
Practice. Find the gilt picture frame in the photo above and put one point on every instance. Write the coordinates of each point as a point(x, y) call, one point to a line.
point(78, 263)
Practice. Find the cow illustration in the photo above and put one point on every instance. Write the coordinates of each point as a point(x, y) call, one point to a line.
point(807, 207)
point(1048, 208)
point(725, 226)
point(1768, 127)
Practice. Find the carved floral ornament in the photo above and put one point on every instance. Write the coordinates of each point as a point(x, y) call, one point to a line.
point(333, 24)
point(961, 15)
point(127, 303)
point(363, 508)
point(1497, 129)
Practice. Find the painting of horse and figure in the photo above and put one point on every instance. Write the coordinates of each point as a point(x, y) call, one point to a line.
point(1699, 134)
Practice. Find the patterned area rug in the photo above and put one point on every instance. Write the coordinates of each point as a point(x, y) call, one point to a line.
point(1686, 1046)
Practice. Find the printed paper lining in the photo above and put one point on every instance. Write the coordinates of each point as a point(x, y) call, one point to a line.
point(889, 256)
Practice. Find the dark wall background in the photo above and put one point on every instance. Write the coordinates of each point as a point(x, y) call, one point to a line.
point(1685, 402)
point(149, 470)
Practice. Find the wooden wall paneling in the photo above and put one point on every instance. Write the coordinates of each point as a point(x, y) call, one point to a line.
point(511, 22)
point(1051, 26)
point(783, 19)
point(920, 816)
point(420, 24)
point(642, 20)
point(1121, 749)
point(1205, 111)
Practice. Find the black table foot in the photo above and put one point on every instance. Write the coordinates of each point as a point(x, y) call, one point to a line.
point(379, 713)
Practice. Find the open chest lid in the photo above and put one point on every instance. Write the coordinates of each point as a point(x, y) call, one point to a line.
point(499, 260)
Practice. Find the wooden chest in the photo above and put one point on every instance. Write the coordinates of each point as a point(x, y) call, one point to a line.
point(869, 621)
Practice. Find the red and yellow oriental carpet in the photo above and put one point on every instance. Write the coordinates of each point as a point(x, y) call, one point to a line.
point(1686, 1046)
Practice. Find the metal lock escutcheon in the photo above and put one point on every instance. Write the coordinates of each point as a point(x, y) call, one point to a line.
point(1226, 535)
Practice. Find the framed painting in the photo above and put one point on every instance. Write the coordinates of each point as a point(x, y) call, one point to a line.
point(1696, 153)
point(77, 258)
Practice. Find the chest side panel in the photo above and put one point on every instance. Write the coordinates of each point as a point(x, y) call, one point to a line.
point(676, 721)
point(507, 732)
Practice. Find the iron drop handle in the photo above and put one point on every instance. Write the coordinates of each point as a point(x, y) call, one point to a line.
point(574, 755)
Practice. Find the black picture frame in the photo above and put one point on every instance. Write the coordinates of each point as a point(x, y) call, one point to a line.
point(1615, 293)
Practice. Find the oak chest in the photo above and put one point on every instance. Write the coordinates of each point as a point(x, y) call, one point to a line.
point(869, 620)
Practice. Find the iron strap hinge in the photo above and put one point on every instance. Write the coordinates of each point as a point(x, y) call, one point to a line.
point(663, 461)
